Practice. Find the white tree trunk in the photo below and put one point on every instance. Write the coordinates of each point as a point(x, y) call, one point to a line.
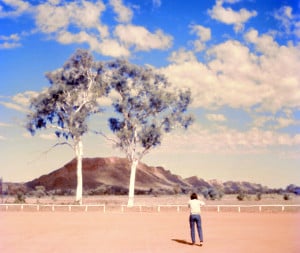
point(132, 182)
point(79, 154)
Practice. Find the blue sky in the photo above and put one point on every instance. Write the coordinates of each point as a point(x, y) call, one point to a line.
point(240, 58)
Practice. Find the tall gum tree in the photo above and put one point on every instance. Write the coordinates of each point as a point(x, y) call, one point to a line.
point(68, 102)
point(146, 106)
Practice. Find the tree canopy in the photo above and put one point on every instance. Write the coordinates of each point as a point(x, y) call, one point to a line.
point(146, 106)
point(71, 97)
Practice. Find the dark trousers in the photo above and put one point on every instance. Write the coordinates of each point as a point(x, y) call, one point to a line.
point(196, 219)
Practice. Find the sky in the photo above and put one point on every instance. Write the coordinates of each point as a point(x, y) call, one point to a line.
point(240, 58)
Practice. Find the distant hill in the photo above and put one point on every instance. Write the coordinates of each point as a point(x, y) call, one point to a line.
point(111, 176)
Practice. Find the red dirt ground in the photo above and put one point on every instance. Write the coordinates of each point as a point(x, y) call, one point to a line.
point(134, 232)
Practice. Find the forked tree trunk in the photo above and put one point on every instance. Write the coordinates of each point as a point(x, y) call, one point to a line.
point(134, 164)
point(79, 154)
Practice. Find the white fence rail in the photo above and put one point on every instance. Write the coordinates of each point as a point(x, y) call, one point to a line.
point(39, 207)
point(146, 208)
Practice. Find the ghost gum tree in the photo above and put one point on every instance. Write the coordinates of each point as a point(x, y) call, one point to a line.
point(146, 107)
point(68, 102)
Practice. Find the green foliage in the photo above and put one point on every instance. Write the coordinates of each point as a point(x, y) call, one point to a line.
point(258, 196)
point(40, 191)
point(287, 196)
point(212, 193)
point(146, 108)
point(241, 196)
point(20, 198)
point(70, 99)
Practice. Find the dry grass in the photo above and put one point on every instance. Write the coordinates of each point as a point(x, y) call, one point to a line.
point(148, 200)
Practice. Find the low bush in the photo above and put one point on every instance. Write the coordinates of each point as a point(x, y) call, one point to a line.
point(20, 198)
point(212, 194)
point(287, 196)
point(241, 196)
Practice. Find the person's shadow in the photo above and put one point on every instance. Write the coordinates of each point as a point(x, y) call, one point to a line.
point(182, 241)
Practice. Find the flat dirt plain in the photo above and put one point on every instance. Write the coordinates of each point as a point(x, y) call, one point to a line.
point(133, 231)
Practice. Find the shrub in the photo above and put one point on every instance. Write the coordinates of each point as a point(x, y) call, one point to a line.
point(40, 191)
point(212, 193)
point(241, 196)
point(258, 196)
point(287, 196)
point(20, 198)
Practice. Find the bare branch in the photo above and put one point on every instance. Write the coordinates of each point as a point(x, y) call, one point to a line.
point(47, 151)
point(105, 136)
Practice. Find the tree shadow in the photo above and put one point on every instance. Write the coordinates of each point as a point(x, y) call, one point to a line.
point(182, 241)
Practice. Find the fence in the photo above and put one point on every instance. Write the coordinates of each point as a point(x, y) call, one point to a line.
point(145, 208)
point(218, 208)
point(44, 207)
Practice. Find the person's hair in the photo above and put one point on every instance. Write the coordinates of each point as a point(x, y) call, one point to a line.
point(194, 195)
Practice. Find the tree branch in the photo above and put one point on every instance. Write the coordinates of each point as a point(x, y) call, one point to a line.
point(105, 136)
point(47, 151)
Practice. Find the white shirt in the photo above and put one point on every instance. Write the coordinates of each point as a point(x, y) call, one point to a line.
point(195, 206)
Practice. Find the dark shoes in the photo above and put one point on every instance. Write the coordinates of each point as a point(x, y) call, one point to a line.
point(201, 244)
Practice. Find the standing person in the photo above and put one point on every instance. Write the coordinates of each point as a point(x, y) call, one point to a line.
point(195, 217)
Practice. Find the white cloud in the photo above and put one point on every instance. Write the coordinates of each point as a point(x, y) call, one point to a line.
point(216, 117)
point(231, 17)
point(10, 41)
point(52, 18)
point(24, 98)
point(141, 39)
point(274, 122)
point(19, 7)
point(264, 44)
point(5, 124)
point(124, 14)
point(14, 106)
point(289, 21)
point(107, 47)
point(235, 76)
point(283, 122)
point(204, 35)
point(156, 3)
point(2, 138)
point(47, 136)
point(228, 141)
point(13, 37)
point(26, 135)
point(112, 48)
point(20, 102)
point(9, 45)
point(80, 22)
point(182, 56)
